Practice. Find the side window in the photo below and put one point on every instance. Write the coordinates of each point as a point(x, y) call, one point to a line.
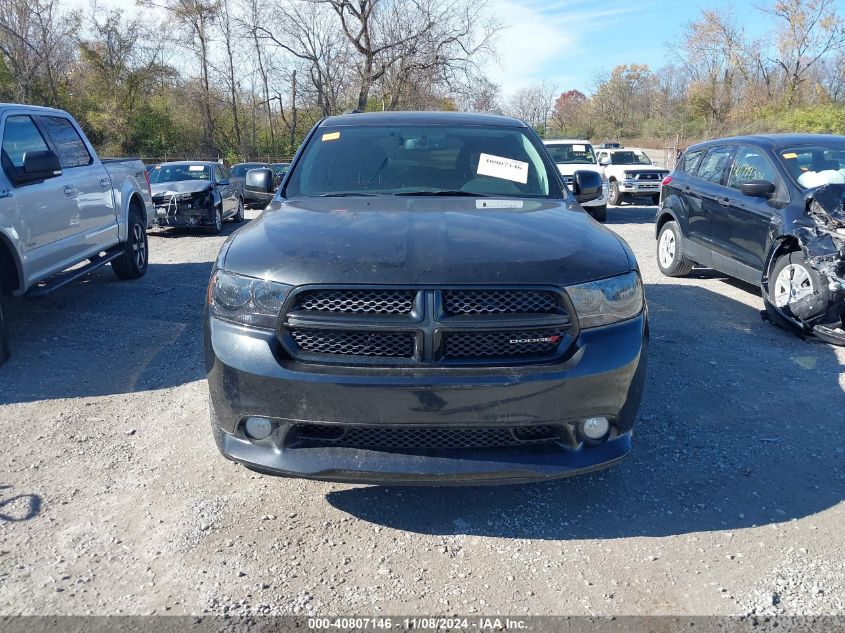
point(712, 166)
point(69, 146)
point(752, 164)
point(222, 173)
point(19, 137)
point(690, 160)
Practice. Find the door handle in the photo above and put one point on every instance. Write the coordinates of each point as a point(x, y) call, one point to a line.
point(105, 182)
point(70, 191)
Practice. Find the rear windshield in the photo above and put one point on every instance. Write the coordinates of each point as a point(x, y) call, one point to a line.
point(173, 173)
point(239, 171)
point(423, 159)
point(815, 165)
point(629, 158)
point(577, 153)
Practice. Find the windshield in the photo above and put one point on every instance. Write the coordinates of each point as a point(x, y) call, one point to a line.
point(815, 165)
point(577, 153)
point(173, 173)
point(280, 169)
point(422, 159)
point(629, 158)
point(239, 171)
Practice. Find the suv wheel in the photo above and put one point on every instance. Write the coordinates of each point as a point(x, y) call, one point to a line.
point(797, 288)
point(133, 263)
point(239, 214)
point(598, 213)
point(670, 252)
point(613, 196)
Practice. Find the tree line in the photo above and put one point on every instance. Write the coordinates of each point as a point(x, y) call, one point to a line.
point(245, 79)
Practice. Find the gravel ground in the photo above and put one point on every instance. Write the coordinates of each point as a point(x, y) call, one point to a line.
point(114, 500)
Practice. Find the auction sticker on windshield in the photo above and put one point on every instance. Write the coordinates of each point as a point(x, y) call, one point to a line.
point(502, 168)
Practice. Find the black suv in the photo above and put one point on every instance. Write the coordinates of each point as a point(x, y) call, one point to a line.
point(767, 210)
point(425, 301)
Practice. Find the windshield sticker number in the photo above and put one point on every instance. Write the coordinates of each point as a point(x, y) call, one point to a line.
point(196, 168)
point(579, 148)
point(502, 168)
point(331, 136)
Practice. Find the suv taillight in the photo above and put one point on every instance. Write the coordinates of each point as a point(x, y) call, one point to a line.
point(666, 180)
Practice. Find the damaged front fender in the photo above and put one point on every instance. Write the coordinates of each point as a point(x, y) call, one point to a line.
point(820, 234)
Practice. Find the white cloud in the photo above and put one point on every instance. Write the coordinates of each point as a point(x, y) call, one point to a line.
point(543, 38)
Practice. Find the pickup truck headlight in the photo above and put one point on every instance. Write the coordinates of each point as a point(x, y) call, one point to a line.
point(246, 300)
point(608, 300)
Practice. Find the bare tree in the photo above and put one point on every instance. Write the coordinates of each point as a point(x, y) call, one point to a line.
point(36, 42)
point(809, 30)
point(195, 19)
point(533, 104)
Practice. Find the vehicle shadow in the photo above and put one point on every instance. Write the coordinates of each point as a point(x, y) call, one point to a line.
point(20, 507)
point(736, 429)
point(641, 212)
point(172, 232)
point(103, 336)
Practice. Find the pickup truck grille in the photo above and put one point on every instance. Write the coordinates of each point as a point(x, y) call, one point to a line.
point(422, 326)
point(411, 438)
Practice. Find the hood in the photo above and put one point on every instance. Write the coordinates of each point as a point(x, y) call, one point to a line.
point(418, 241)
point(567, 169)
point(179, 186)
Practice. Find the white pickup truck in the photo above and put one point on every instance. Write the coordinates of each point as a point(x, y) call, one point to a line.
point(571, 155)
point(631, 173)
point(61, 205)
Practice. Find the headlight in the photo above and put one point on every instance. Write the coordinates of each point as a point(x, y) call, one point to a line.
point(246, 300)
point(608, 300)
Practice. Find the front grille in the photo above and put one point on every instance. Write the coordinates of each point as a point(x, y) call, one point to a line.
point(496, 326)
point(357, 301)
point(354, 343)
point(419, 438)
point(468, 345)
point(457, 302)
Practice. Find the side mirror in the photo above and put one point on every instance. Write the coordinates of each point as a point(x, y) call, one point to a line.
point(604, 162)
point(260, 179)
point(223, 182)
point(39, 166)
point(586, 185)
point(757, 188)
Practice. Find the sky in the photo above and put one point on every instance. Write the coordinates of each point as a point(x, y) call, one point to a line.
point(566, 42)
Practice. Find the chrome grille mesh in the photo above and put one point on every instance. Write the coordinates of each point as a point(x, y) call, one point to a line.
point(468, 345)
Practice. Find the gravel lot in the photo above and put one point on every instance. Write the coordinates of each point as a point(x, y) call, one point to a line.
point(113, 498)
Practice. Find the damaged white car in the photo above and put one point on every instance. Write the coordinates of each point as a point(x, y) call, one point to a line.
point(767, 210)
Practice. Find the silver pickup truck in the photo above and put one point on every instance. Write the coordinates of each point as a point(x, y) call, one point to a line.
point(61, 205)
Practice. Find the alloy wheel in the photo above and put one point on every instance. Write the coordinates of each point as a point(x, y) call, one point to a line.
point(793, 283)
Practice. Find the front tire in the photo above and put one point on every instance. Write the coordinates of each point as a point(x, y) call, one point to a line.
point(217, 227)
point(598, 213)
point(614, 196)
point(134, 261)
point(670, 252)
point(797, 289)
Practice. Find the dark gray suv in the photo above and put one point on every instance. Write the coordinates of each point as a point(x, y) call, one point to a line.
point(425, 302)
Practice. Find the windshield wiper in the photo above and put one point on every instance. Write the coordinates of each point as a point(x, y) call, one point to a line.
point(441, 192)
point(348, 194)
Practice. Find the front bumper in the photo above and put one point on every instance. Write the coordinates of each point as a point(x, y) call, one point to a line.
point(249, 376)
point(637, 188)
point(183, 214)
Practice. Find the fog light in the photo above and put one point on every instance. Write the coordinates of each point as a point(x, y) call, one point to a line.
point(258, 428)
point(595, 428)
